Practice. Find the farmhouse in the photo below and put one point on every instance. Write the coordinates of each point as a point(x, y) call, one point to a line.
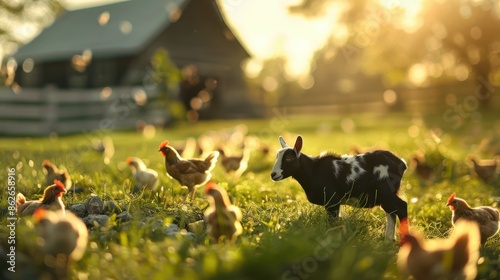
point(115, 63)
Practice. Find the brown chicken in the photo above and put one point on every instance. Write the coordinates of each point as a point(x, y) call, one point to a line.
point(236, 164)
point(144, 177)
point(452, 258)
point(189, 173)
point(65, 239)
point(222, 217)
point(485, 169)
point(51, 200)
point(421, 168)
point(53, 173)
point(105, 147)
point(485, 216)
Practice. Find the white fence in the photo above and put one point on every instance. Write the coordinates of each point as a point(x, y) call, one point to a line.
point(33, 112)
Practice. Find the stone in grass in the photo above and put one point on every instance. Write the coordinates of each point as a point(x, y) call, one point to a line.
point(189, 235)
point(92, 219)
point(197, 227)
point(124, 216)
point(156, 225)
point(76, 189)
point(110, 207)
point(171, 230)
point(182, 234)
point(79, 210)
point(94, 204)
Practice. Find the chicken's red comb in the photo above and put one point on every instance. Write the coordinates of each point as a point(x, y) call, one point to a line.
point(129, 160)
point(60, 185)
point(163, 144)
point(450, 199)
point(210, 185)
point(39, 214)
point(46, 162)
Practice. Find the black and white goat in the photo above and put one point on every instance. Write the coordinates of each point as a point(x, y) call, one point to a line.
point(363, 180)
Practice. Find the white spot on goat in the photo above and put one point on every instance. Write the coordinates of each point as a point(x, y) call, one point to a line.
point(382, 171)
point(348, 158)
point(277, 170)
point(356, 169)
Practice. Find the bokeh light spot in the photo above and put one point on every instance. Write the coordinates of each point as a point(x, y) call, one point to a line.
point(140, 97)
point(103, 18)
point(105, 93)
point(28, 65)
point(413, 131)
point(125, 27)
point(390, 97)
point(196, 103)
point(417, 74)
point(347, 125)
point(461, 72)
point(149, 131)
point(270, 84)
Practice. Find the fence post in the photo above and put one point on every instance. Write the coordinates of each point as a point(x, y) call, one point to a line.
point(51, 108)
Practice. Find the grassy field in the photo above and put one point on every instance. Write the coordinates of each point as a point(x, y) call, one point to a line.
point(284, 236)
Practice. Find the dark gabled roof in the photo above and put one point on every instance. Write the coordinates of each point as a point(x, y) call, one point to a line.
point(143, 19)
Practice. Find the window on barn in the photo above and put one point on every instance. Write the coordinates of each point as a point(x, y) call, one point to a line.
point(77, 79)
point(30, 74)
point(103, 73)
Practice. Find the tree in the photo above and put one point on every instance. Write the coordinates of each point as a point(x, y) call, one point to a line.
point(447, 40)
point(20, 21)
point(468, 30)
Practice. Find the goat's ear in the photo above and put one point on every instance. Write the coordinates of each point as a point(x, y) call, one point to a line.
point(298, 145)
point(282, 142)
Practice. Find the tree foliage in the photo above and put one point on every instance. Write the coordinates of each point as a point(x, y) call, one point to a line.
point(434, 42)
point(19, 20)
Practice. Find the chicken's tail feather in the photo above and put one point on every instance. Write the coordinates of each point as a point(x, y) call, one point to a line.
point(20, 199)
point(212, 158)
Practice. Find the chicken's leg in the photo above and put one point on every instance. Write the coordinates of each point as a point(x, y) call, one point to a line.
point(185, 197)
point(192, 193)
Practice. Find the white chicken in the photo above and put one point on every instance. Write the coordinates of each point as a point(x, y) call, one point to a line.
point(144, 177)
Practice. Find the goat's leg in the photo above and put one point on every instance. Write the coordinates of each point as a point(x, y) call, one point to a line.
point(390, 226)
point(393, 206)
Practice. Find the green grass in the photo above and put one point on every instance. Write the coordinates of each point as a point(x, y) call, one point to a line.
point(284, 236)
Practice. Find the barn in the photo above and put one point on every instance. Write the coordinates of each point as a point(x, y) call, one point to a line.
point(123, 64)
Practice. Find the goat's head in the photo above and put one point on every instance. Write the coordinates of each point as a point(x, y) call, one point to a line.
point(287, 159)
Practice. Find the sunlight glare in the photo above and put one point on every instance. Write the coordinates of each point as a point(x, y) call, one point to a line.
point(252, 67)
point(410, 21)
point(278, 33)
point(25, 32)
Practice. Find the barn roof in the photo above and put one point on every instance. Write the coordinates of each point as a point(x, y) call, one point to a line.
point(121, 28)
